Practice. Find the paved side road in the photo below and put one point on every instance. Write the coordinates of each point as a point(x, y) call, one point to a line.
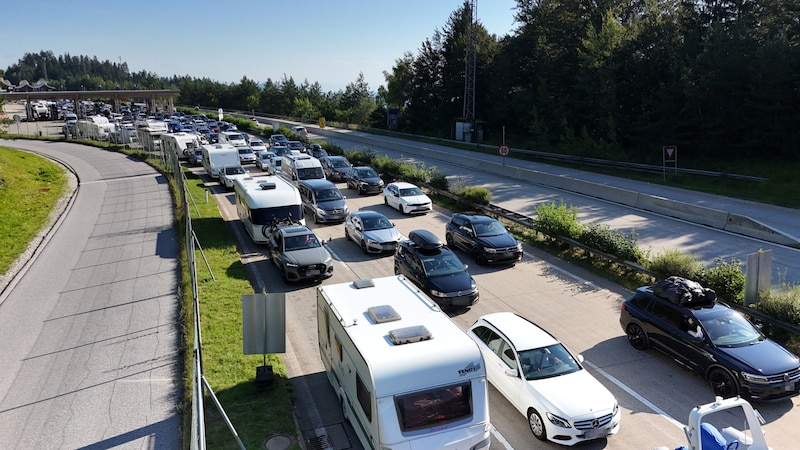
point(89, 329)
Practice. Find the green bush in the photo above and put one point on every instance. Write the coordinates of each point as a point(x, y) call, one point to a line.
point(437, 180)
point(725, 278)
point(360, 157)
point(475, 195)
point(673, 262)
point(557, 219)
point(607, 240)
point(783, 303)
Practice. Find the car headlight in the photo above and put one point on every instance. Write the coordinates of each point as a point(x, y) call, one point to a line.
point(473, 285)
point(519, 246)
point(558, 421)
point(291, 264)
point(753, 378)
point(327, 261)
point(436, 293)
point(372, 242)
point(489, 250)
point(321, 212)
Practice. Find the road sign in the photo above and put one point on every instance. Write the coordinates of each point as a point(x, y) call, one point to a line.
point(503, 150)
point(670, 153)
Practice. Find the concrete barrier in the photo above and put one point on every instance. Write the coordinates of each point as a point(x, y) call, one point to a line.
point(753, 228)
point(685, 211)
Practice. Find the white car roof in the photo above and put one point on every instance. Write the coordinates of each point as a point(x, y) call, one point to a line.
point(523, 334)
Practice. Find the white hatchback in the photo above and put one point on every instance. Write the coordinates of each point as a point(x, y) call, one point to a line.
point(563, 402)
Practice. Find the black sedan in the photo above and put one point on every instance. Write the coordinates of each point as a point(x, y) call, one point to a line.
point(714, 340)
point(484, 237)
point(433, 267)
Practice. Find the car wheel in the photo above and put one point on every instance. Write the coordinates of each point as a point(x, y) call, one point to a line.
point(316, 218)
point(364, 247)
point(722, 383)
point(385, 201)
point(346, 235)
point(637, 337)
point(537, 425)
point(449, 239)
point(402, 209)
point(396, 270)
point(480, 258)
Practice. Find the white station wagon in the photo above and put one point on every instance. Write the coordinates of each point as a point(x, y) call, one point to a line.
point(563, 402)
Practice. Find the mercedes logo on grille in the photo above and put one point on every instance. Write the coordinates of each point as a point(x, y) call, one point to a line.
point(595, 423)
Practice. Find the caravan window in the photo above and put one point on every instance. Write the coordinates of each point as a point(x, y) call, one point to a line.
point(364, 397)
point(434, 407)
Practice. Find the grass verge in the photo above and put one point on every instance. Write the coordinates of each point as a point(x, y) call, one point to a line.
point(254, 413)
point(30, 187)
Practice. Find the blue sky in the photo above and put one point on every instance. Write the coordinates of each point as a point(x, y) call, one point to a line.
point(319, 41)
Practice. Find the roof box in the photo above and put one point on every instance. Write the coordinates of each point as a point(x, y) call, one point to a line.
point(425, 240)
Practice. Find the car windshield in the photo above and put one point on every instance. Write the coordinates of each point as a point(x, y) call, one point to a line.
point(310, 173)
point(326, 195)
point(731, 330)
point(245, 151)
point(339, 164)
point(376, 223)
point(234, 170)
point(410, 192)
point(301, 242)
point(547, 362)
point(491, 228)
point(367, 173)
point(442, 264)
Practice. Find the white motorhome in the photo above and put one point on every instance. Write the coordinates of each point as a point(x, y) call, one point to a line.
point(264, 201)
point(405, 374)
point(180, 144)
point(301, 166)
point(216, 156)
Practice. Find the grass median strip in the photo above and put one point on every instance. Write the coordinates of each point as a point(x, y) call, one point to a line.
point(254, 413)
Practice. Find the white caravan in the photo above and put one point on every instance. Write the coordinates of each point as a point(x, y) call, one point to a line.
point(97, 128)
point(149, 133)
point(407, 377)
point(216, 156)
point(180, 144)
point(263, 202)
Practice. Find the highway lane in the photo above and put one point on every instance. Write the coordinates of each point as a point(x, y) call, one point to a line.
point(655, 393)
point(655, 233)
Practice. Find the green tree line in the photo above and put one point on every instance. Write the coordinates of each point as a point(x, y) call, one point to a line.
point(600, 78)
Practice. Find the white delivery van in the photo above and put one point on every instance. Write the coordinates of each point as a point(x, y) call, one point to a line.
point(405, 374)
point(263, 201)
point(299, 167)
point(216, 156)
point(180, 144)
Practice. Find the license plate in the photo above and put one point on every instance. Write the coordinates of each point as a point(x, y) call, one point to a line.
point(313, 272)
point(595, 433)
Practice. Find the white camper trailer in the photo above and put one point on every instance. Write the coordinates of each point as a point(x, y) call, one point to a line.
point(216, 156)
point(406, 375)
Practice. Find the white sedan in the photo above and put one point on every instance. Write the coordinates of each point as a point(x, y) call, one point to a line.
point(563, 402)
point(406, 198)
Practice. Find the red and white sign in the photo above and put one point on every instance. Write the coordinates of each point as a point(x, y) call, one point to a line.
point(503, 150)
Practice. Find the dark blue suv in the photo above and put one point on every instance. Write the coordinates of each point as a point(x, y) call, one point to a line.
point(483, 237)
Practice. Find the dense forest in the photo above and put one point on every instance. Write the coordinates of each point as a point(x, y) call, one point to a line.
point(603, 78)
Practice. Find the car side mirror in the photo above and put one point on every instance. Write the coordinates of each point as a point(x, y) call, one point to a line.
point(579, 358)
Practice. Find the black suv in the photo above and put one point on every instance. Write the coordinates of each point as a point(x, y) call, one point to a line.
point(486, 239)
point(714, 340)
point(433, 267)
